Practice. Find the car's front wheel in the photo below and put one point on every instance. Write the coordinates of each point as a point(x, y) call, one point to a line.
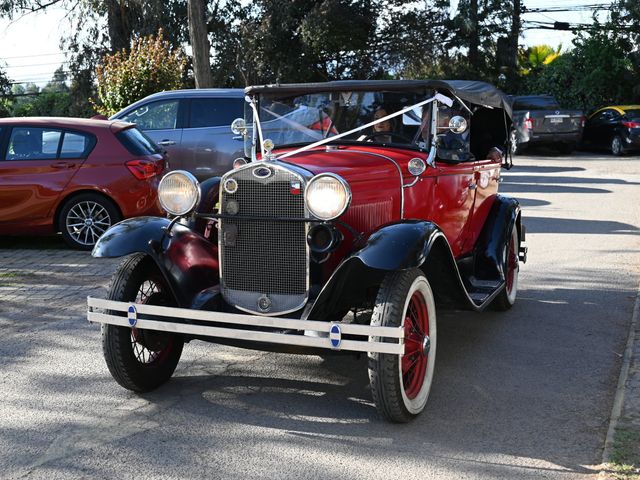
point(617, 147)
point(400, 384)
point(84, 218)
point(140, 360)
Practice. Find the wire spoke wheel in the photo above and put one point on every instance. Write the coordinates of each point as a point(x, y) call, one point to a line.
point(416, 335)
point(140, 359)
point(511, 267)
point(400, 384)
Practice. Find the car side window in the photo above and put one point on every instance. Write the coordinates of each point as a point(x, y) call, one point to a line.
point(161, 115)
point(31, 143)
point(75, 145)
point(215, 112)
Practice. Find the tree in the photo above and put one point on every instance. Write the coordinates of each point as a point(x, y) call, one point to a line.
point(199, 43)
point(151, 65)
point(597, 71)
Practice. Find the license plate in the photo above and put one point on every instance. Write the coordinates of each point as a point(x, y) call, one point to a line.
point(556, 120)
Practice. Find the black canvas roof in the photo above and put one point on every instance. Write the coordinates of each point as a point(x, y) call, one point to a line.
point(478, 93)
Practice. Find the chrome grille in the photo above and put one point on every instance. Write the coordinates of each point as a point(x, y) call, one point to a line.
point(266, 256)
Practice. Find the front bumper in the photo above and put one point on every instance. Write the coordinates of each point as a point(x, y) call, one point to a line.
point(281, 331)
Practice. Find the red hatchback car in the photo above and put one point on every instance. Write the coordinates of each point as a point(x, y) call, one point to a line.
point(75, 176)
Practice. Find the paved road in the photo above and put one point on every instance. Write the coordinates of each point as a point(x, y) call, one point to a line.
point(524, 394)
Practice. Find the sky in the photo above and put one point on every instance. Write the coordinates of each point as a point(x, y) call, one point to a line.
point(30, 45)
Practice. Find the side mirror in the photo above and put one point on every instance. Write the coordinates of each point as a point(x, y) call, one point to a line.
point(457, 124)
point(239, 127)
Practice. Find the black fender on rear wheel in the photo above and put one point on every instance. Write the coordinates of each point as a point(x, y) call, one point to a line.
point(140, 360)
point(400, 384)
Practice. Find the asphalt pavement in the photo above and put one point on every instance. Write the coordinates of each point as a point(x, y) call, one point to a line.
point(523, 394)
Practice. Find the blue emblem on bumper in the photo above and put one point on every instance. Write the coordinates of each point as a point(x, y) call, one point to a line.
point(335, 336)
point(132, 314)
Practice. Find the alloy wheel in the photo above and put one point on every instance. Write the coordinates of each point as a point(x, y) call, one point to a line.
point(87, 221)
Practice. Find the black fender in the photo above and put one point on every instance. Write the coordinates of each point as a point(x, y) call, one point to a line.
point(488, 252)
point(188, 261)
point(209, 193)
point(398, 246)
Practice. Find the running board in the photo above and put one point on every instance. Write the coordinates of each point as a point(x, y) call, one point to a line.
point(284, 331)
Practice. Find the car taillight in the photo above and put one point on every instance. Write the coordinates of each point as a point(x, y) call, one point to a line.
point(583, 120)
point(143, 169)
point(528, 123)
point(631, 124)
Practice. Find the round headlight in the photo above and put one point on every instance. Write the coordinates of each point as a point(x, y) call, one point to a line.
point(178, 192)
point(327, 196)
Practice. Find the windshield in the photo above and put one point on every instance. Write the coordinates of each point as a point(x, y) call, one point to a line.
point(287, 119)
point(535, 103)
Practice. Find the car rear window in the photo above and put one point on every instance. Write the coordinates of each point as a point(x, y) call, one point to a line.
point(535, 103)
point(632, 115)
point(136, 142)
point(76, 145)
point(215, 112)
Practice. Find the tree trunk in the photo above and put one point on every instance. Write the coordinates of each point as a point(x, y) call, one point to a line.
point(199, 43)
point(119, 31)
point(474, 40)
point(513, 39)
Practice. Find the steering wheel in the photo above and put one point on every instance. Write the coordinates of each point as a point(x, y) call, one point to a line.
point(373, 135)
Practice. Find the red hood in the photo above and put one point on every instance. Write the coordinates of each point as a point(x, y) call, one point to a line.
point(353, 163)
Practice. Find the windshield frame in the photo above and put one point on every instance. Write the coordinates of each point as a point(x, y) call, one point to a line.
point(255, 101)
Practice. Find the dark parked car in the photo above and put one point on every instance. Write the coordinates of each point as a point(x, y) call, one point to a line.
point(192, 126)
point(389, 223)
point(614, 128)
point(539, 120)
point(74, 176)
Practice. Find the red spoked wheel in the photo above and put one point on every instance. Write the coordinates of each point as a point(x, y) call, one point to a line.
point(140, 360)
point(511, 267)
point(416, 340)
point(400, 384)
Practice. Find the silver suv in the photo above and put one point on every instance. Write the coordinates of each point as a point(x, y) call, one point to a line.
point(192, 126)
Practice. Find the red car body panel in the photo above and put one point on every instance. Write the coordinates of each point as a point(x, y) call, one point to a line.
point(32, 191)
point(457, 197)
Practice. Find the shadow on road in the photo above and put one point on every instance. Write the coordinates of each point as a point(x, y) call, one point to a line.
point(571, 225)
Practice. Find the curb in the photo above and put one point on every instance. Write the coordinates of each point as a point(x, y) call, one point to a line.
point(618, 401)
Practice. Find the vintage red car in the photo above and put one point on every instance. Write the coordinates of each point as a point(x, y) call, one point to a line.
point(345, 235)
point(75, 176)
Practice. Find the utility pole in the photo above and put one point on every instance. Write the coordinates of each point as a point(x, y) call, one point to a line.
point(199, 43)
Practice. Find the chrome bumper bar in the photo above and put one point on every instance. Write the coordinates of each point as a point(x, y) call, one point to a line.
point(304, 333)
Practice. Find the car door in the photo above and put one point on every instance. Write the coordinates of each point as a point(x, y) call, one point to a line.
point(32, 174)
point(599, 129)
point(210, 146)
point(162, 121)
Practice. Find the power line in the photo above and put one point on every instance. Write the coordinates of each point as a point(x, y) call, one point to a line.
point(37, 55)
point(37, 64)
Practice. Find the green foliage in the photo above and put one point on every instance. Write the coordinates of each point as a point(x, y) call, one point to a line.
point(46, 104)
point(597, 71)
point(151, 66)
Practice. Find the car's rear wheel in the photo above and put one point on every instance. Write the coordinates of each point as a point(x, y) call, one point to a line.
point(507, 297)
point(617, 147)
point(400, 384)
point(140, 360)
point(84, 218)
